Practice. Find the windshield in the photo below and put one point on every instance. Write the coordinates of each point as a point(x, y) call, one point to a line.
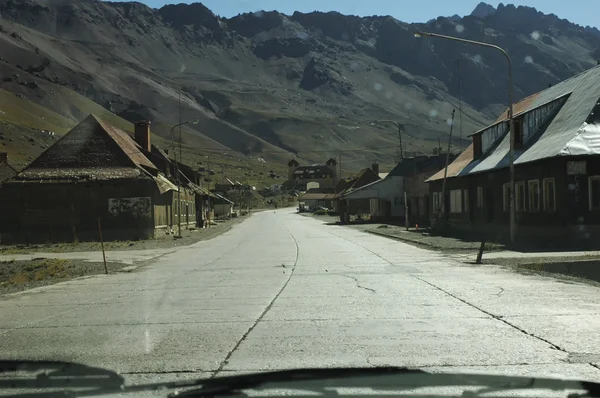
point(199, 191)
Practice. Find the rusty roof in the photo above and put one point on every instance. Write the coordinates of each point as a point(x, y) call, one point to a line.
point(91, 150)
point(456, 166)
point(518, 107)
point(126, 143)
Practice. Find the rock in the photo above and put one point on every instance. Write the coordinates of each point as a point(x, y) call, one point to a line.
point(317, 74)
point(287, 47)
point(483, 10)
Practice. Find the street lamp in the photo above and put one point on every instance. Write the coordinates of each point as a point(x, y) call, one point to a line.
point(398, 125)
point(510, 117)
point(177, 168)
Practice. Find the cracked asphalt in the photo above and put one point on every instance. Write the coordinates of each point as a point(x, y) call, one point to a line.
point(282, 291)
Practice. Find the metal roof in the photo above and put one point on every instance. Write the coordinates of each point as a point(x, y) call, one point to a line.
point(567, 133)
point(456, 167)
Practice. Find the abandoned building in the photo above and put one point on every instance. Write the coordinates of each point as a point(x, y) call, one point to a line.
point(557, 170)
point(302, 178)
point(95, 175)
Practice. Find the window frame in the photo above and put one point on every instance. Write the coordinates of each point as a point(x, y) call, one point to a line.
point(544, 201)
point(590, 179)
point(456, 202)
point(532, 208)
point(465, 200)
point(506, 197)
point(480, 200)
point(520, 209)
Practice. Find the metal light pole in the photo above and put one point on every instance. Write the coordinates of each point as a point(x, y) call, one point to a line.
point(510, 117)
point(177, 169)
point(401, 148)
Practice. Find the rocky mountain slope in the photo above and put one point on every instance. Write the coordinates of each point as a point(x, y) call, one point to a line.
point(270, 85)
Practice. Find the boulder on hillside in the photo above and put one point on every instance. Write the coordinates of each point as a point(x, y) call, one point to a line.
point(317, 74)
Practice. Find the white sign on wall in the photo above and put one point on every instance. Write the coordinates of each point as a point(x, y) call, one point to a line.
point(135, 207)
point(576, 168)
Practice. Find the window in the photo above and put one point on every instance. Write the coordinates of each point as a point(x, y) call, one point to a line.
point(520, 199)
point(466, 200)
point(518, 123)
point(437, 205)
point(594, 193)
point(479, 196)
point(549, 195)
point(534, 195)
point(456, 201)
point(506, 197)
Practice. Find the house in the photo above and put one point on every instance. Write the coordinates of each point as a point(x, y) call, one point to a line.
point(556, 166)
point(317, 197)
point(225, 186)
point(302, 178)
point(222, 207)
point(356, 205)
point(6, 170)
point(386, 196)
point(95, 175)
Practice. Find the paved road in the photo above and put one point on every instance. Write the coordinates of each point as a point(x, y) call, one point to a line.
point(282, 290)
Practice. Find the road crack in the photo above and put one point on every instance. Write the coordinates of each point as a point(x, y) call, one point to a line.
point(496, 317)
point(262, 315)
point(358, 285)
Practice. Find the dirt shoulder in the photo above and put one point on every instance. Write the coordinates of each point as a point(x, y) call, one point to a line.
point(17, 276)
point(161, 241)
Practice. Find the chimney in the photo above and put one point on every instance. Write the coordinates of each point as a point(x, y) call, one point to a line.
point(142, 134)
point(375, 168)
point(3, 157)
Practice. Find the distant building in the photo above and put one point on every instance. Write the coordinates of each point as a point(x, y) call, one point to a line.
point(386, 197)
point(301, 178)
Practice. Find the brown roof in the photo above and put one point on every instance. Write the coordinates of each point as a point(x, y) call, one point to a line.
point(518, 107)
point(91, 150)
point(126, 143)
point(455, 167)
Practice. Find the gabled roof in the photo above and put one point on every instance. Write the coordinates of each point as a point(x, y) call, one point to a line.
point(568, 133)
point(6, 171)
point(571, 131)
point(93, 149)
point(456, 167)
point(419, 164)
point(364, 177)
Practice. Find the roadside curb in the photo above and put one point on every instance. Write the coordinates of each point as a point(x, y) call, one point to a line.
point(412, 242)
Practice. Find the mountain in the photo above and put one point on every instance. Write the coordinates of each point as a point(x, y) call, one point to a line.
point(483, 10)
point(273, 85)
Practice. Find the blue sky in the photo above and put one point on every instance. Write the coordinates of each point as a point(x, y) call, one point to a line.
point(582, 12)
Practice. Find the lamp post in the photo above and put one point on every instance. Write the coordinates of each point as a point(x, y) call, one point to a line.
point(400, 147)
point(177, 169)
point(512, 221)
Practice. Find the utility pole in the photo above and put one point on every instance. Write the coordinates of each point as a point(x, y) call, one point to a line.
point(513, 217)
point(443, 199)
point(178, 172)
point(460, 112)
